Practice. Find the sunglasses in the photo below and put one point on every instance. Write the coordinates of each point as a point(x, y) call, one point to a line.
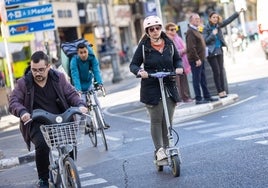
point(173, 29)
point(157, 28)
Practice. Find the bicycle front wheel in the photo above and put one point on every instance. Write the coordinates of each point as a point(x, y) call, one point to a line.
point(70, 174)
point(101, 125)
point(91, 129)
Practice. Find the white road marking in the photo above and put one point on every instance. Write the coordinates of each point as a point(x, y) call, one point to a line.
point(241, 131)
point(205, 125)
point(252, 137)
point(93, 182)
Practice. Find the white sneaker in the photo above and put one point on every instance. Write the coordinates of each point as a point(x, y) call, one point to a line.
point(161, 154)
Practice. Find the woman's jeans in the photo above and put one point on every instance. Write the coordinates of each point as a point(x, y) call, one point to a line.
point(159, 130)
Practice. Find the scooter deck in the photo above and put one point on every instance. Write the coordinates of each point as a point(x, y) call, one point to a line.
point(163, 162)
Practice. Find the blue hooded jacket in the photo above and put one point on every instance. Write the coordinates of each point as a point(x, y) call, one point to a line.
point(82, 72)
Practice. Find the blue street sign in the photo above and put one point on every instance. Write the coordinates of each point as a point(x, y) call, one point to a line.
point(31, 27)
point(22, 13)
point(16, 2)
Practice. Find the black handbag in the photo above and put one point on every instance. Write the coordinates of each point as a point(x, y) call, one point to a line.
point(216, 51)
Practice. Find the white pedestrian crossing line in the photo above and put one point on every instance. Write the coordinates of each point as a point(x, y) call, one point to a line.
point(189, 123)
point(220, 130)
point(253, 136)
point(201, 126)
point(93, 182)
point(216, 129)
point(240, 131)
point(264, 142)
point(85, 175)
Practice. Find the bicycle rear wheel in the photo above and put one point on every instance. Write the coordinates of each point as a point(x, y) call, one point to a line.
point(101, 125)
point(70, 176)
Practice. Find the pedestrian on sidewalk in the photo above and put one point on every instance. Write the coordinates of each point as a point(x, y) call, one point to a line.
point(181, 80)
point(41, 88)
point(154, 54)
point(196, 50)
point(214, 39)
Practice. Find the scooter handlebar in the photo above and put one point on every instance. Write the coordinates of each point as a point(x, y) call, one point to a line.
point(161, 74)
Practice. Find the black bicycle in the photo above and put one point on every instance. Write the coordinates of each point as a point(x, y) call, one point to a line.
point(96, 123)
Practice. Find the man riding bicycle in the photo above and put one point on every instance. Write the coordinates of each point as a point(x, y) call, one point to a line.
point(41, 88)
point(84, 66)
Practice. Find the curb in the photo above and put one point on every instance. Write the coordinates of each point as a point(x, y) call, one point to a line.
point(184, 113)
point(14, 161)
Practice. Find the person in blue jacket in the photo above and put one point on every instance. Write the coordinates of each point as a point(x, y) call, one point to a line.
point(84, 68)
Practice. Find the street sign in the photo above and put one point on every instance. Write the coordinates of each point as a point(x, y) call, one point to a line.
point(16, 2)
point(22, 13)
point(30, 27)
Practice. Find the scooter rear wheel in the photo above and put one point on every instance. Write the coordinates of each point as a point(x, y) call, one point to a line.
point(176, 169)
point(159, 168)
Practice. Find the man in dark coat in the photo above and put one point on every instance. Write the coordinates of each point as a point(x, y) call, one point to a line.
point(41, 88)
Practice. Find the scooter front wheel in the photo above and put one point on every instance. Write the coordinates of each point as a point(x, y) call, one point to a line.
point(176, 166)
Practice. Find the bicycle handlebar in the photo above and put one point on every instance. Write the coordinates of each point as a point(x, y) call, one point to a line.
point(101, 88)
point(50, 118)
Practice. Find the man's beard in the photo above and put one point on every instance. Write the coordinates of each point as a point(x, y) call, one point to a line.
point(39, 78)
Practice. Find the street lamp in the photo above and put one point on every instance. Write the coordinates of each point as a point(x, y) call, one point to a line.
point(226, 14)
point(111, 49)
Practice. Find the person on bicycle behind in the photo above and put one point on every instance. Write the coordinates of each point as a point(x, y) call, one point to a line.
point(41, 88)
point(84, 66)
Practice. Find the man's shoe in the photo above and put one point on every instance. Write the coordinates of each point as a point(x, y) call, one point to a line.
point(42, 183)
point(211, 99)
point(201, 102)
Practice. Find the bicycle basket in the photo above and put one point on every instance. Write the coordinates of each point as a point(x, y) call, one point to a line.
point(64, 133)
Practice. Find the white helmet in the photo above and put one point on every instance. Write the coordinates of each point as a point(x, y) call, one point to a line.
point(151, 21)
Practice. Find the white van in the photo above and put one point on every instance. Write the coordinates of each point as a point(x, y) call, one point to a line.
point(262, 21)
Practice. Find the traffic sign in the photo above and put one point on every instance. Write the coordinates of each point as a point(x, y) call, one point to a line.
point(16, 2)
point(22, 13)
point(31, 27)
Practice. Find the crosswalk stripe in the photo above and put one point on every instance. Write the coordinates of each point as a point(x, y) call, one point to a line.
point(241, 131)
point(85, 175)
point(111, 138)
point(264, 142)
point(201, 126)
point(93, 182)
point(189, 123)
point(251, 137)
point(216, 129)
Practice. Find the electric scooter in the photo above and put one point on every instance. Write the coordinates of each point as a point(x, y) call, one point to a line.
point(173, 159)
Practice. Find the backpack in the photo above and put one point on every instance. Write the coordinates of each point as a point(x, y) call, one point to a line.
point(70, 49)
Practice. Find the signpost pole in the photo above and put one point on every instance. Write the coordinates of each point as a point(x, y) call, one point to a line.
point(5, 35)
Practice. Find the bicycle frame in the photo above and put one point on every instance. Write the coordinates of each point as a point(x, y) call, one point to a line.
point(97, 116)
